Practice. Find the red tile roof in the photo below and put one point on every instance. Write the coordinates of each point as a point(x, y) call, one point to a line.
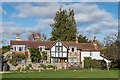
point(49, 44)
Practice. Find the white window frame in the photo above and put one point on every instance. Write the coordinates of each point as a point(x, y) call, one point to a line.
point(43, 48)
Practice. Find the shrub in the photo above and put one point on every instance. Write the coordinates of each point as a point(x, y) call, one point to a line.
point(99, 64)
point(44, 66)
point(18, 69)
point(30, 65)
point(27, 68)
point(50, 66)
point(10, 60)
point(14, 64)
point(63, 67)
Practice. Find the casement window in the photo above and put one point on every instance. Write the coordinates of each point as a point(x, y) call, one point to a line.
point(14, 48)
point(72, 49)
point(41, 48)
point(20, 48)
point(90, 53)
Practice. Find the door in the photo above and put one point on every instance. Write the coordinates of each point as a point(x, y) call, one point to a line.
point(62, 60)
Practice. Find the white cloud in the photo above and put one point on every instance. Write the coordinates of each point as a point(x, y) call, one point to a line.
point(2, 11)
point(8, 31)
point(7, 24)
point(18, 16)
point(37, 11)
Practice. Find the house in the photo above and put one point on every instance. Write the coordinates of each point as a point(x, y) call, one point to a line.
point(59, 51)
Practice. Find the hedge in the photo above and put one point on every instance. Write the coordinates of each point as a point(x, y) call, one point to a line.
point(98, 64)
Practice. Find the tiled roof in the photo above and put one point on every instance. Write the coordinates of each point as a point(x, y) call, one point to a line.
point(49, 44)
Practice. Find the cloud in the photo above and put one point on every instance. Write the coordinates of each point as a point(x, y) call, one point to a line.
point(10, 32)
point(7, 24)
point(18, 16)
point(36, 11)
point(3, 12)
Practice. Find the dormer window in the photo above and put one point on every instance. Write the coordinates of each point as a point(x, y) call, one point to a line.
point(73, 48)
point(41, 48)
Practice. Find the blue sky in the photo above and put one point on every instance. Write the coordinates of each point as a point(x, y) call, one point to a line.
point(93, 19)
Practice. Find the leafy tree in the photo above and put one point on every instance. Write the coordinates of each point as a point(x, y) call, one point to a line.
point(32, 36)
point(5, 49)
point(64, 26)
point(83, 39)
point(111, 50)
point(35, 54)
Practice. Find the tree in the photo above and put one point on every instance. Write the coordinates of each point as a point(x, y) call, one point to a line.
point(83, 39)
point(35, 54)
point(111, 50)
point(5, 49)
point(32, 36)
point(64, 26)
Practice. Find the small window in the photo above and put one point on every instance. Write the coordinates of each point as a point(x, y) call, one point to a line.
point(20, 48)
point(15, 48)
point(90, 53)
point(40, 49)
point(72, 49)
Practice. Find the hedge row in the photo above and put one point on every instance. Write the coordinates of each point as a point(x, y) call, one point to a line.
point(99, 64)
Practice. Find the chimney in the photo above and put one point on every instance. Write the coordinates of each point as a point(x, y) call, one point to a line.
point(37, 37)
point(94, 41)
point(76, 39)
point(18, 37)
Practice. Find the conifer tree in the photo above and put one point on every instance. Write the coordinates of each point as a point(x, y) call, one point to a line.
point(64, 26)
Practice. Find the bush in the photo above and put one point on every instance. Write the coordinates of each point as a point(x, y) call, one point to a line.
point(10, 60)
point(50, 66)
point(18, 69)
point(30, 65)
point(99, 64)
point(14, 64)
point(44, 66)
point(27, 68)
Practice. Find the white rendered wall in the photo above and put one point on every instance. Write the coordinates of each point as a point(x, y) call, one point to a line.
point(95, 55)
point(53, 50)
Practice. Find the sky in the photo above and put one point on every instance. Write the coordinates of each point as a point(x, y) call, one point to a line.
point(93, 18)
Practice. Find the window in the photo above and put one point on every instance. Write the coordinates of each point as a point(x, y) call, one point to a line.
point(20, 48)
point(72, 49)
point(14, 48)
point(90, 53)
point(40, 49)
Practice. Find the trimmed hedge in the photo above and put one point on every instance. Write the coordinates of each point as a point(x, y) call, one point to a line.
point(98, 64)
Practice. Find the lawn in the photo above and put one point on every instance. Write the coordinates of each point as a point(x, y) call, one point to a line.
point(64, 74)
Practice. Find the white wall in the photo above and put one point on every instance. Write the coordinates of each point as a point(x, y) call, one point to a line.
point(24, 48)
point(53, 50)
point(95, 55)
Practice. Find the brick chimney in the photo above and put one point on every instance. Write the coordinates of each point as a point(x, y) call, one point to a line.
point(76, 39)
point(95, 41)
point(37, 37)
point(18, 37)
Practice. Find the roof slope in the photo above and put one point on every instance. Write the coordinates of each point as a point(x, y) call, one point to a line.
point(49, 44)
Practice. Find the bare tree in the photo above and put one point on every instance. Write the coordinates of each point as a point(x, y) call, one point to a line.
point(32, 36)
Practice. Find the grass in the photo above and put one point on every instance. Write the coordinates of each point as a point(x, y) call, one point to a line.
point(64, 74)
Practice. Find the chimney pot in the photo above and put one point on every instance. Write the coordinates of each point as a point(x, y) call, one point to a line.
point(37, 37)
point(94, 41)
point(18, 37)
point(76, 39)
